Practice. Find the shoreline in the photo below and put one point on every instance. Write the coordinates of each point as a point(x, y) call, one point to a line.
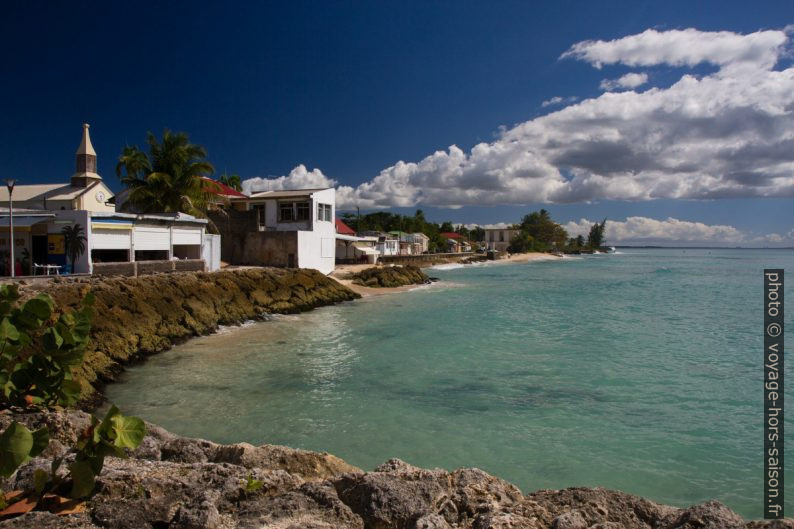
point(341, 272)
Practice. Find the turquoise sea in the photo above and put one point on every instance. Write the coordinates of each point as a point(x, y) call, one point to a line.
point(639, 371)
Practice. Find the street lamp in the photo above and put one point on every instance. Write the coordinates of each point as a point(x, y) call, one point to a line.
point(10, 185)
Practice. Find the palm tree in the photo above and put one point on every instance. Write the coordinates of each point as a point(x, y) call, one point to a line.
point(232, 181)
point(169, 178)
point(74, 240)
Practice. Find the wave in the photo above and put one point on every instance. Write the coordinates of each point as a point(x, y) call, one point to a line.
point(449, 266)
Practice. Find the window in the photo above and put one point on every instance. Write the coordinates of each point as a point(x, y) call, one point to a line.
point(285, 212)
point(293, 211)
point(324, 212)
point(302, 210)
point(501, 236)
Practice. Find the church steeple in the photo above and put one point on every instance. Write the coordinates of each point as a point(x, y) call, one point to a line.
point(85, 162)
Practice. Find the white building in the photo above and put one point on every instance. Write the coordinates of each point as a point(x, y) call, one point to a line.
point(296, 229)
point(41, 211)
point(499, 238)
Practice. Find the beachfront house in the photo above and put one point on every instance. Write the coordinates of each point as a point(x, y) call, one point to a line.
point(456, 243)
point(420, 241)
point(350, 248)
point(292, 229)
point(499, 238)
point(114, 242)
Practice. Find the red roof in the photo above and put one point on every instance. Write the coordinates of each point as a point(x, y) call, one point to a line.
point(217, 188)
point(343, 229)
point(451, 235)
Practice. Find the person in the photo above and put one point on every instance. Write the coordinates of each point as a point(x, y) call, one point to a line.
point(18, 268)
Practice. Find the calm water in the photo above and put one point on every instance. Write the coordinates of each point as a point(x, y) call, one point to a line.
point(639, 371)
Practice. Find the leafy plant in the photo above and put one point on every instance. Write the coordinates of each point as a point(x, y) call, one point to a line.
point(106, 438)
point(38, 350)
point(252, 485)
point(18, 445)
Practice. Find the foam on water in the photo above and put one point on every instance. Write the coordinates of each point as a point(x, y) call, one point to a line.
point(639, 372)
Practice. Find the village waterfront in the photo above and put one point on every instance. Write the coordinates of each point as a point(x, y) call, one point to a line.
point(637, 371)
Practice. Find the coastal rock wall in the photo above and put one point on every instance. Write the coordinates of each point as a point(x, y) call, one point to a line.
point(175, 482)
point(145, 315)
point(390, 277)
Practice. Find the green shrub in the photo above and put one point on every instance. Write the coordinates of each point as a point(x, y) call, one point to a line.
point(39, 350)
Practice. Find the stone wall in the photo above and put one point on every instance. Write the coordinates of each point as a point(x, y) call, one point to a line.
point(148, 267)
point(138, 316)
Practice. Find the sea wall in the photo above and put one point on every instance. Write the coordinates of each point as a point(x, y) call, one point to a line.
point(425, 259)
point(138, 316)
point(175, 482)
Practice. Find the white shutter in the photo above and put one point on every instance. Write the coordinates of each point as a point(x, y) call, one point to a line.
point(103, 239)
point(328, 247)
point(187, 236)
point(152, 238)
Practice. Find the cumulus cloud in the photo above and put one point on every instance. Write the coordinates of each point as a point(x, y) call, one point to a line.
point(647, 230)
point(559, 100)
point(687, 47)
point(630, 80)
point(726, 134)
point(298, 178)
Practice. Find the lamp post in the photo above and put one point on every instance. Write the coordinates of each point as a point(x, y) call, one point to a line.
point(10, 185)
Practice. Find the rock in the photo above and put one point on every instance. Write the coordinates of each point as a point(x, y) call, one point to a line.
point(175, 482)
point(390, 276)
point(570, 520)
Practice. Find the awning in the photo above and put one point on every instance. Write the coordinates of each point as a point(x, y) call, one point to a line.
point(365, 249)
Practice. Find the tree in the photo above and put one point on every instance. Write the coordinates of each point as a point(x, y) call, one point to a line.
point(544, 232)
point(169, 178)
point(595, 239)
point(74, 240)
point(232, 181)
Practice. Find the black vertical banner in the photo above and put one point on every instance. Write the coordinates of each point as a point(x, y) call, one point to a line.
point(773, 394)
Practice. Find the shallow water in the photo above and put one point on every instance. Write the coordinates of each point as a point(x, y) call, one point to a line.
point(639, 371)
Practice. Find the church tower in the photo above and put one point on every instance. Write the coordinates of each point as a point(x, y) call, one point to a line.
point(85, 166)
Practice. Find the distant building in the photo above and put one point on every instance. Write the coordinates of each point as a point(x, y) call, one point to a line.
point(499, 238)
point(350, 248)
point(420, 241)
point(456, 243)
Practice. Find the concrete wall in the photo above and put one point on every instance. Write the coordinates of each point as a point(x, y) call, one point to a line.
point(115, 269)
point(234, 225)
point(428, 258)
point(269, 248)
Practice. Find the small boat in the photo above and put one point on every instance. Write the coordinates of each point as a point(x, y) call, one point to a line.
point(611, 249)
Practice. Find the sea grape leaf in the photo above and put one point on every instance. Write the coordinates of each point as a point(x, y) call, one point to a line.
point(83, 479)
point(15, 445)
point(129, 431)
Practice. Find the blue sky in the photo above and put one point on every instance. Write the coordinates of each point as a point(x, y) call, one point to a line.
point(349, 89)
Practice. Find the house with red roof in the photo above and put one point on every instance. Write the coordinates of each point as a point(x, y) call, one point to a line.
point(353, 249)
point(456, 242)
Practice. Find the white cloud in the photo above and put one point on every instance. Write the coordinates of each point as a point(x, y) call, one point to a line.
point(649, 231)
point(687, 47)
point(558, 100)
point(726, 134)
point(298, 178)
point(630, 80)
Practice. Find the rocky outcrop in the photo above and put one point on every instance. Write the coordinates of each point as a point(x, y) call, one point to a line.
point(176, 482)
point(390, 276)
point(144, 315)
